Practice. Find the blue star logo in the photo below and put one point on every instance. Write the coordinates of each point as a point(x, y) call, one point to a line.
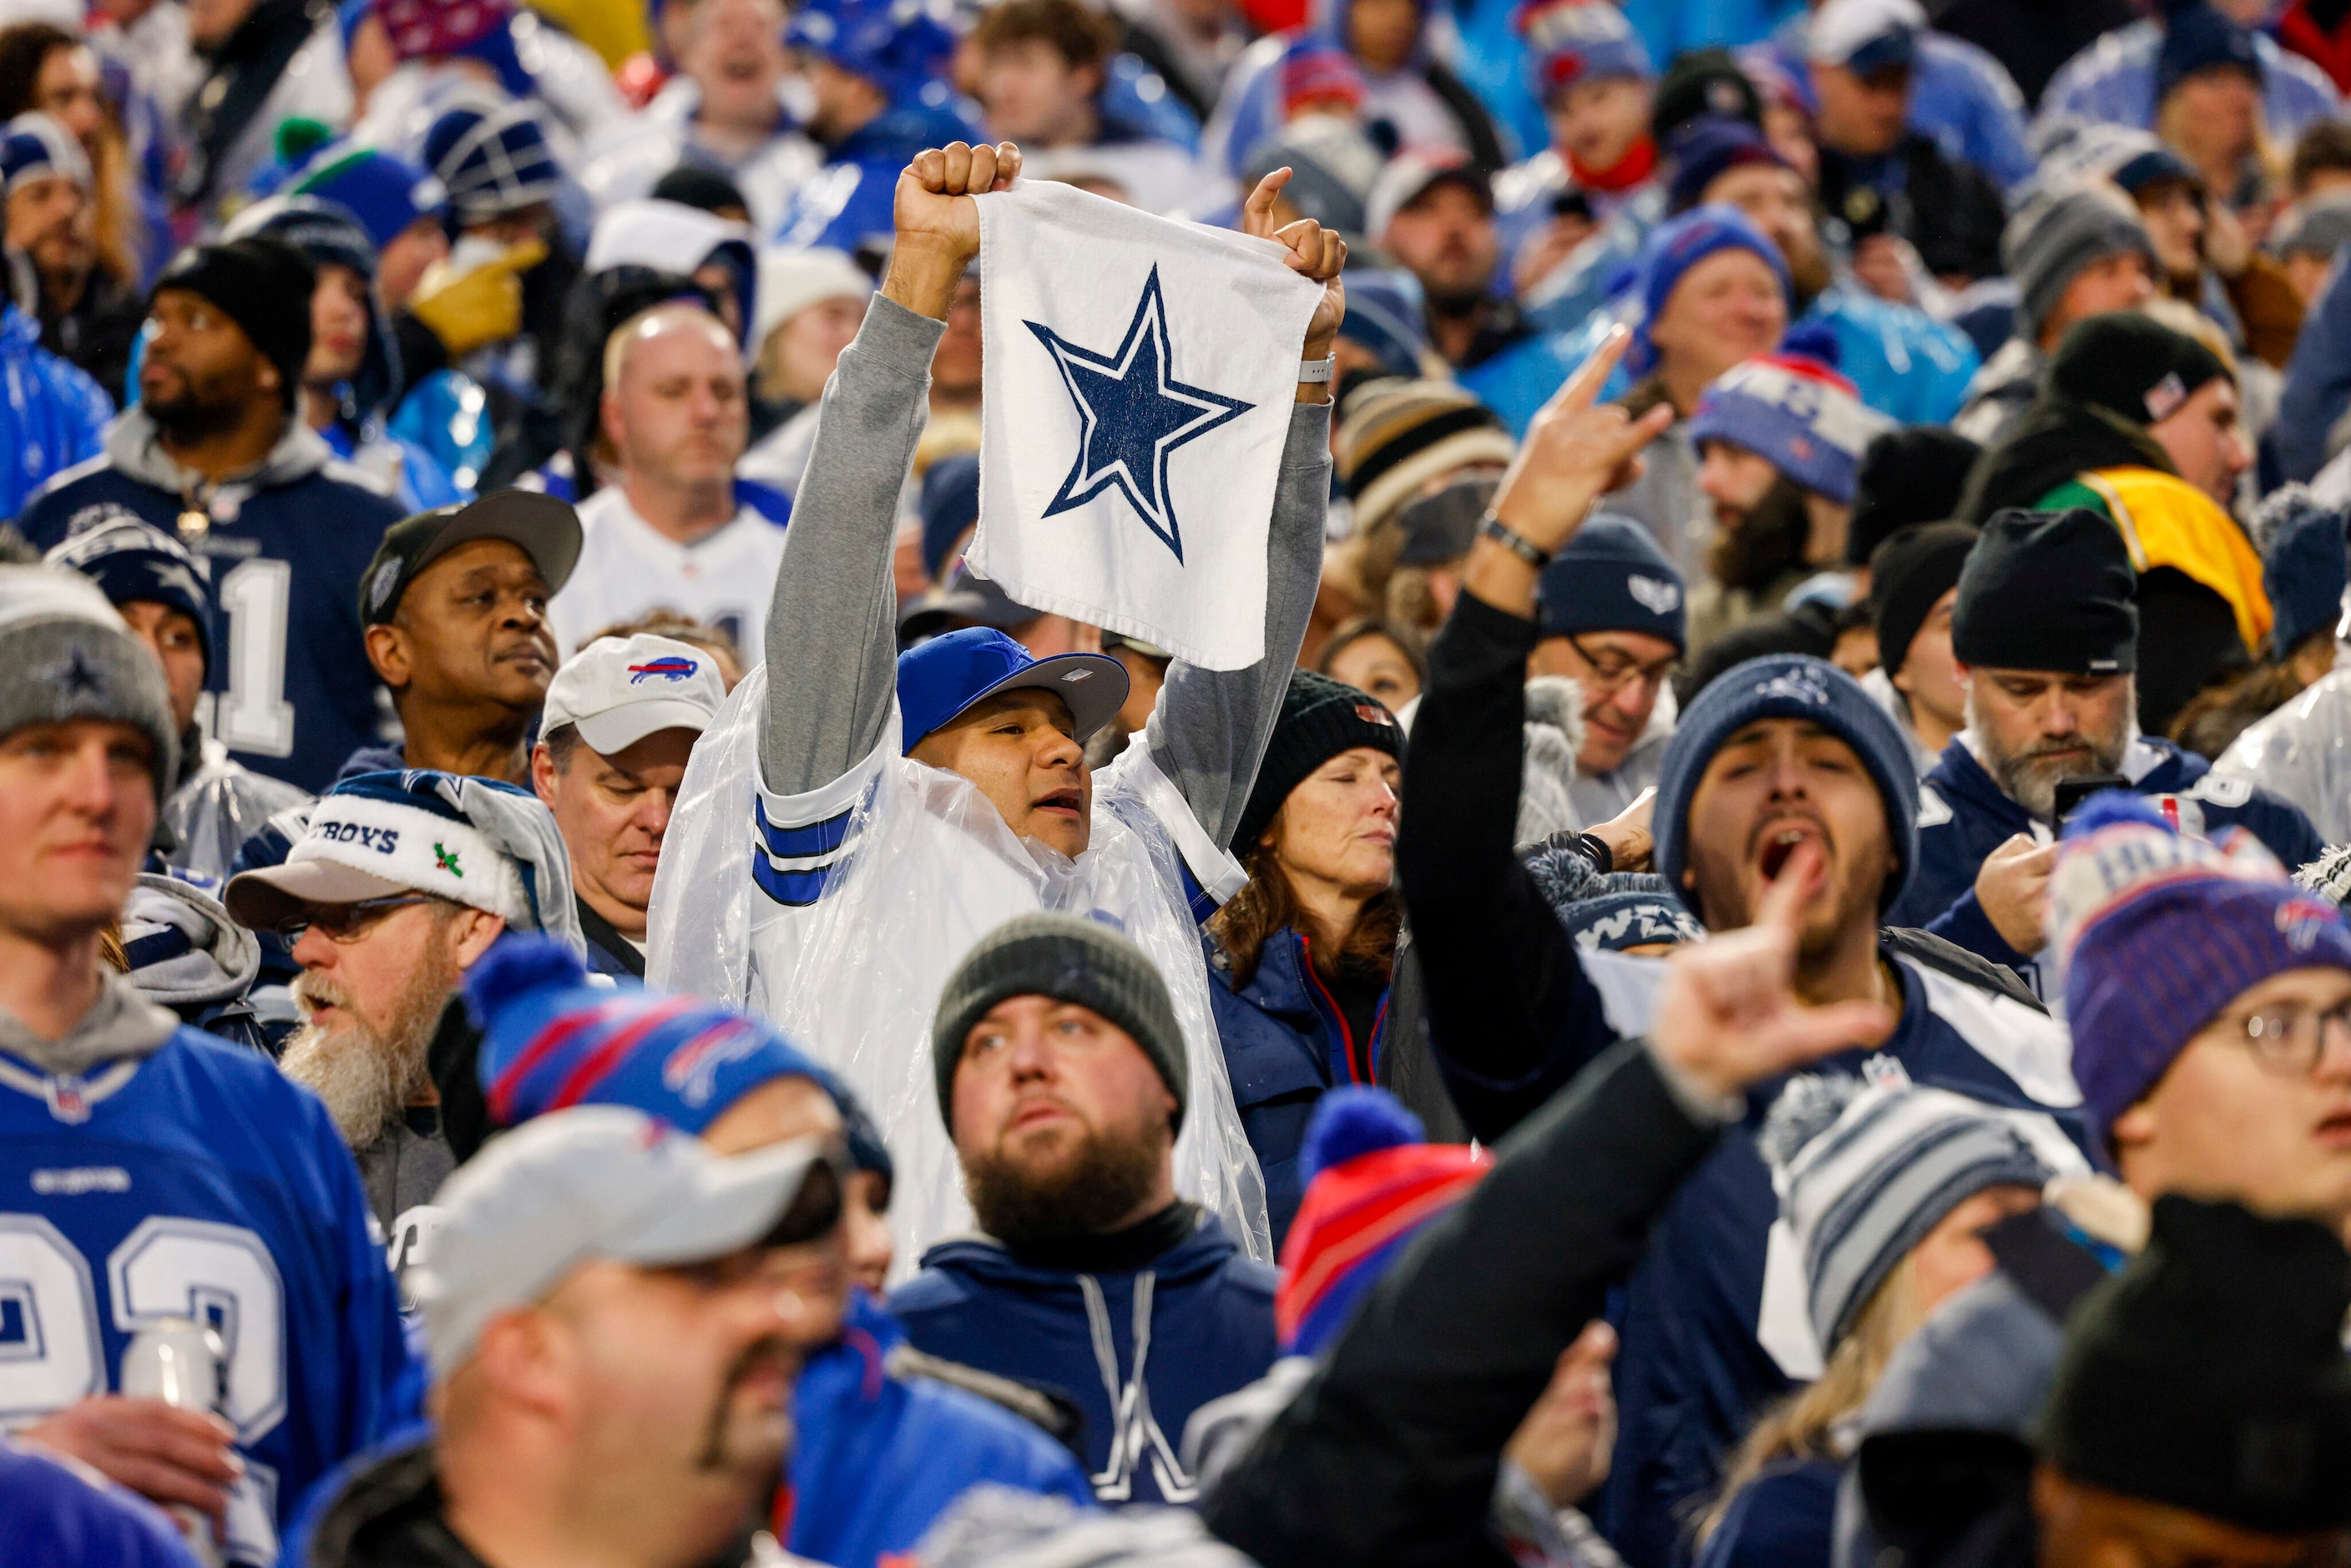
point(1134, 414)
point(76, 675)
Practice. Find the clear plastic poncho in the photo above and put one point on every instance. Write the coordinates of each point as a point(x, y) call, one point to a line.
point(2302, 753)
point(930, 868)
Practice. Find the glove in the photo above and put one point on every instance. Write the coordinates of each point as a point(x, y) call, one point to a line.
point(484, 305)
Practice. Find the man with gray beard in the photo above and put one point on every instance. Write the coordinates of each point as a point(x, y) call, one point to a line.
point(2047, 637)
point(398, 885)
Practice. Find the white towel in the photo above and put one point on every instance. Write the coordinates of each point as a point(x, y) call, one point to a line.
point(1136, 392)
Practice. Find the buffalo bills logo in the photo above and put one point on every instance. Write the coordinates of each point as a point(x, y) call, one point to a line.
point(2300, 920)
point(673, 668)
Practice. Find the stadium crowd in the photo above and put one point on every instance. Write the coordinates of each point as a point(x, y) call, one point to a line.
point(1755, 976)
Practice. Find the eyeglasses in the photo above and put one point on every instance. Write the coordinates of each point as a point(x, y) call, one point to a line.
point(348, 922)
point(1611, 671)
point(2291, 1041)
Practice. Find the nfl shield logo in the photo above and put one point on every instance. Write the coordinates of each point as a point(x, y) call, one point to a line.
point(67, 1102)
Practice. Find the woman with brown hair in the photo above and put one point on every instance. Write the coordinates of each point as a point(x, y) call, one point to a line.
point(1304, 954)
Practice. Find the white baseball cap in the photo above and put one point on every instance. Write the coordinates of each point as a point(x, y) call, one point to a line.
point(597, 1181)
point(618, 690)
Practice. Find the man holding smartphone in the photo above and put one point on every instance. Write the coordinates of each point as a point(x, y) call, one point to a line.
point(2046, 637)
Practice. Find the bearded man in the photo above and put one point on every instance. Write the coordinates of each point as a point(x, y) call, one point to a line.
point(399, 882)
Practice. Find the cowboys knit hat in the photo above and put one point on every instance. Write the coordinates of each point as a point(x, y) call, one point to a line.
point(2051, 240)
point(1907, 476)
point(1786, 686)
point(261, 284)
point(2048, 590)
point(1320, 718)
point(35, 147)
point(2199, 36)
point(73, 658)
point(1708, 148)
point(616, 691)
point(383, 191)
point(551, 1041)
point(1610, 576)
point(2303, 565)
point(492, 162)
point(1372, 1183)
point(602, 1182)
point(1395, 436)
point(1678, 245)
point(1797, 414)
point(546, 530)
point(134, 562)
point(1066, 959)
point(2132, 366)
point(1866, 1171)
point(471, 840)
point(2208, 1375)
point(1909, 572)
point(1571, 41)
point(938, 680)
point(2129, 895)
point(1633, 917)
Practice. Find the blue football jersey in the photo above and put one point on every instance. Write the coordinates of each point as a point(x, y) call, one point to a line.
point(291, 692)
point(197, 1183)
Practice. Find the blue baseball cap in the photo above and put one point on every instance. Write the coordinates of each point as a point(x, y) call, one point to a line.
point(942, 678)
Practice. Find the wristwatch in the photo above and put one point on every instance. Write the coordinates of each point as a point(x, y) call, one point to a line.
point(1315, 372)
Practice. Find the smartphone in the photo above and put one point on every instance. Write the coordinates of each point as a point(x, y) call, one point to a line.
point(2072, 792)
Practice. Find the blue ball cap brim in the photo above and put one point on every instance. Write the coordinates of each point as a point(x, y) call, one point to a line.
point(942, 679)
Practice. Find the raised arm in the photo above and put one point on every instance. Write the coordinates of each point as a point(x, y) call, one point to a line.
point(1210, 727)
point(831, 641)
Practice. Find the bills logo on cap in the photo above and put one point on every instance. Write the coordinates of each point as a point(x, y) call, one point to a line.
point(673, 668)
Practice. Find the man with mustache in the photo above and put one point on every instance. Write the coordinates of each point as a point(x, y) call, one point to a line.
point(399, 883)
point(1784, 764)
point(615, 1316)
point(2046, 635)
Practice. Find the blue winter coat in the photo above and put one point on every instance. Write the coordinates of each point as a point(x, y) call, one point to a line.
point(1959, 95)
point(51, 412)
point(877, 1458)
point(1137, 1352)
point(848, 200)
point(1784, 1518)
point(1285, 1042)
point(1963, 816)
point(2112, 82)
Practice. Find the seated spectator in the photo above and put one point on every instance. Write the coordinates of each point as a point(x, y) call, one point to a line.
point(2306, 241)
point(1887, 1191)
point(502, 179)
point(1887, 180)
point(1376, 657)
point(2138, 424)
point(2047, 638)
point(2115, 80)
point(1613, 618)
point(2074, 254)
point(616, 1316)
point(457, 629)
point(1303, 956)
point(669, 528)
point(241, 1166)
point(1062, 1081)
point(1914, 586)
point(1399, 441)
point(2302, 572)
point(164, 596)
point(884, 1439)
point(1712, 291)
point(1587, 68)
point(2026, 40)
point(722, 111)
point(871, 75)
point(2204, 257)
point(214, 457)
point(397, 204)
point(811, 305)
point(1039, 72)
point(1779, 441)
point(261, 64)
point(621, 715)
point(57, 72)
point(1436, 217)
point(57, 274)
point(2208, 104)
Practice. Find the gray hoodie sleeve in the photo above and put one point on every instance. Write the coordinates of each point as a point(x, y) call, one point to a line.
point(1209, 730)
point(831, 636)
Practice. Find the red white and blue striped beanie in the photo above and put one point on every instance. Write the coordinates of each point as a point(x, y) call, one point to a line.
point(1372, 1185)
point(551, 1041)
point(1797, 413)
point(1571, 41)
point(2157, 931)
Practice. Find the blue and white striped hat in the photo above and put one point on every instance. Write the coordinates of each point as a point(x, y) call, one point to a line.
point(493, 162)
point(35, 147)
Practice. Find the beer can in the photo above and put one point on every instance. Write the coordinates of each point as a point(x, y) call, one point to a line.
point(183, 1363)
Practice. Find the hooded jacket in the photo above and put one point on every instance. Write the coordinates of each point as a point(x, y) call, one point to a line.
point(878, 1456)
point(1138, 1351)
point(1964, 815)
point(298, 517)
point(52, 415)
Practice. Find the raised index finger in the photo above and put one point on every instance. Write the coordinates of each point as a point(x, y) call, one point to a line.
point(1582, 390)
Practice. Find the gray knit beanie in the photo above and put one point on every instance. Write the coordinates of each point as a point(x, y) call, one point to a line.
point(74, 658)
point(2048, 243)
point(1867, 1172)
point(1070, 960)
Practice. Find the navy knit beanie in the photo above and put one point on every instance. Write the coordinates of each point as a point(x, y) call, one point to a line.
point(1787, 686)
point(1611, 576)
point(2197, 36)
point(2303, 565)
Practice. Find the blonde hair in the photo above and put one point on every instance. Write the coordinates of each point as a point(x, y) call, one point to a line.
point(2171, 117)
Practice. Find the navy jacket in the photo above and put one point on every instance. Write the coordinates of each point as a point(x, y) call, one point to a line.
point(292, 694)
point(1195, 1323)
point(1963, 816)
point(1784, 1518)
point(1285, 1042)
